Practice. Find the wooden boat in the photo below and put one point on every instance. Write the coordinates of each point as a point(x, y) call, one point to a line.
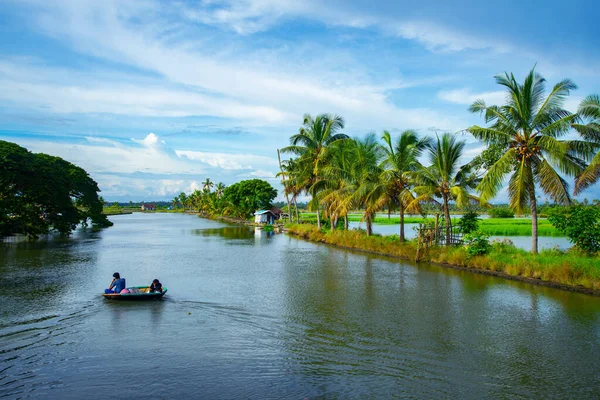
point(139, 293)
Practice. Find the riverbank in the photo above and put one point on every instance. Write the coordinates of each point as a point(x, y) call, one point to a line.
point(550, 268)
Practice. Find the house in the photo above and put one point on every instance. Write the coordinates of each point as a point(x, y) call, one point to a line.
point(148, 207)
point(265, 217)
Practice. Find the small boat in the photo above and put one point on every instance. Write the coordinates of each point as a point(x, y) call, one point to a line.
point(136, 293)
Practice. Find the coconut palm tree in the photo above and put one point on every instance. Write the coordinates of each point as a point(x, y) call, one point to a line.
point(182, 200)
point(310, 145)
point(207, 184)
point(444, 179)
point(529, 127)
point(337, 183)
point(219, 189)
point(400, 159)
point(366, 174)
point(589, 109)
point(293, 185)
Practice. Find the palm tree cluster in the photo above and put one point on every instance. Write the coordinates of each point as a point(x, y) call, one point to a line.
point(341, 174)
point(536, 143)
point(203, 201)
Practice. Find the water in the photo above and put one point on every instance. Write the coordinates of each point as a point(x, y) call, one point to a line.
point(256, 315)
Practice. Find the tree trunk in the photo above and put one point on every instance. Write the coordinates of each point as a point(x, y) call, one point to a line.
point(401, 211)
point(369, 225)
point(534, 221)
point(318, 219)
point(447, 217)
point(346, 222)
point(437, 224)
point(287, 198)
point(296, 210)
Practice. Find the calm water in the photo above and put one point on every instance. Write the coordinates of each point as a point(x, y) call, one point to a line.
point(250, 315)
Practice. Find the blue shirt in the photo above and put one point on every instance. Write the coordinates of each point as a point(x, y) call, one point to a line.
point(119, 285)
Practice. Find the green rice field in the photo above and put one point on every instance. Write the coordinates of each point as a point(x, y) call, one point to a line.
point(489, 226)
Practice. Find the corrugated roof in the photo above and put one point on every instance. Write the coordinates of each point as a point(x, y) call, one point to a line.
point(260, 212)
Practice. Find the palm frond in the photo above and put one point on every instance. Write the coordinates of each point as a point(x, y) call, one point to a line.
point(521, 182)
point(493, 179)
point(589, 176)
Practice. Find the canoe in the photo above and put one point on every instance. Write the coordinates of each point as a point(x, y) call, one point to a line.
point(142, 293)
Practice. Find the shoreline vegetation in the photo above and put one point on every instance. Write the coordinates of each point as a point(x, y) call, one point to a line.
point(553, 268)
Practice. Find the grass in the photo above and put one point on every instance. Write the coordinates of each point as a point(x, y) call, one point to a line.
point(570, 269)
point(489, 226)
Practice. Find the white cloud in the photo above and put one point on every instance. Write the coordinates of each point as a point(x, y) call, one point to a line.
point(467, 97)
point(196, 81)
point(121, 169)
point(229, 161)
point(262, 174)
point(437, 38)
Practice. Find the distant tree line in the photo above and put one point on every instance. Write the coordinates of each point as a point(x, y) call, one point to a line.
point(239, 200)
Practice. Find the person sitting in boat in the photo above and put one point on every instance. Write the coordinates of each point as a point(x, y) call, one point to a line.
point(117, 283)
point(156, 286)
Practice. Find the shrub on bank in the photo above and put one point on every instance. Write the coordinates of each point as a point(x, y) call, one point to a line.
point(501, 212)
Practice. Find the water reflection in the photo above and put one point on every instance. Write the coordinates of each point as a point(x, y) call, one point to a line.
point(229, 232)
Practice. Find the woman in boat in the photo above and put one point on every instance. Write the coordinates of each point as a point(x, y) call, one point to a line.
point(117, 283)
point(156, 286)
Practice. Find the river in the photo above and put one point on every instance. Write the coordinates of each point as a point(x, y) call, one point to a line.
point(254, 315)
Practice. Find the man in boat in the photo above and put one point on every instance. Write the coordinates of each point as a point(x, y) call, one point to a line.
point(156, 286)
point(117, 283)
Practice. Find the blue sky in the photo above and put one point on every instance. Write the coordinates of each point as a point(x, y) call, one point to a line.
point(153, 97)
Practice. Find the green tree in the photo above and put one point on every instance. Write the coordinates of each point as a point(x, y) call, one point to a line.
point(529, 126)
point(310, 145)
point(400, 159)
point(245, 197)
point(580, 223)
point(40, 193)
point(219, 189)
point(589, 109)
point(207, 184)
point(445, 178)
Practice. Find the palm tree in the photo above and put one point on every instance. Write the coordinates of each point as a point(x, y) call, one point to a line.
point(365, 175)
point(293, 185)
point(207, 184)
point(337, 181)
point(444, 178)
point(529, 126)
point(310, 144)
point(219, 189)
point(182, 200)
point(589, 108)
point(400, 159)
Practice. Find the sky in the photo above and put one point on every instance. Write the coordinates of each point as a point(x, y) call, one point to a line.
point(152, 97)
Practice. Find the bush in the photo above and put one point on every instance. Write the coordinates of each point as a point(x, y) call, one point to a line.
point(477, 243)
point(469, 222)
point(581, 224)
point(501, 212)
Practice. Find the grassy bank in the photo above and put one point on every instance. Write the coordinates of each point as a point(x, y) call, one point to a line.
point(551, 267)
point(489, 226)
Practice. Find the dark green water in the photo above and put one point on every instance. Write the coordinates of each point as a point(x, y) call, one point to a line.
point(268, 316)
